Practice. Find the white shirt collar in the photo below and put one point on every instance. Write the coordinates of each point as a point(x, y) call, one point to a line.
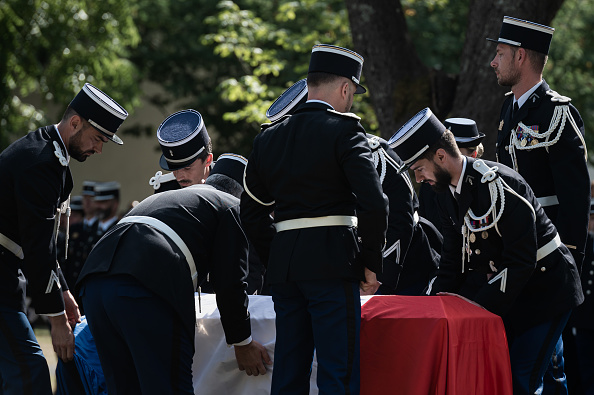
point(526, 95)
point(320, 101)
point(458, 188)
point(64, 145)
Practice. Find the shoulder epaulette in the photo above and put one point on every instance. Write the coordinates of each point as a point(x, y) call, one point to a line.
point(345, 114)
point(265, 126)
point(374, 142)
point(509, 93)
point(555, 97)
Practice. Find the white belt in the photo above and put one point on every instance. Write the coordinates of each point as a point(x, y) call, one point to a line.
point(163, 227)
point(548, 248)
point(548, 201)
point(11, 246)
point(330, 220)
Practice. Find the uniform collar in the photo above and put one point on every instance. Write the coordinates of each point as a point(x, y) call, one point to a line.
point(320, 101)
point(61, 142)
point(526, 95)
point(458, 188)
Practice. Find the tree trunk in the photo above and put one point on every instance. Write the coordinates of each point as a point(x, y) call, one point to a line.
point(400, 85)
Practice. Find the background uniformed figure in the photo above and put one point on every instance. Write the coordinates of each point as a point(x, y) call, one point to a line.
point(313, 169)
point(554, 165)
point(541, 136)
point(411, 255)
point(36, 182)
point(493, 224)
point(107, 203)
point(138, 285)
point(187, 151)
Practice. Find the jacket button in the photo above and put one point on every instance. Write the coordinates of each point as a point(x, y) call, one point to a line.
point(543, 269)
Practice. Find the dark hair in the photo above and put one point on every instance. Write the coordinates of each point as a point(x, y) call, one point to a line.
point(206, 152)
point(69, 113)
point(319, 78)
point(538, 60)
point(225, 184)
point(447, 142)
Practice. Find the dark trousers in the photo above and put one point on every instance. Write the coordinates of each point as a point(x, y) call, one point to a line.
point(23, 368)
point(584, 339)
point(141, 343)
point(324, 315)
point(530, 353)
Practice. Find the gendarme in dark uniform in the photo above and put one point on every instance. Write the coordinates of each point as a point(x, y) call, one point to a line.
point(314, 171)
point(543, 140)
point(138, 282)
point(410, 260)
point(36, 184)
point(493, 224)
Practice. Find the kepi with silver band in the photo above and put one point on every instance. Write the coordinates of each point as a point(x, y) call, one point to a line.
point(182, 137)
point(100, 110)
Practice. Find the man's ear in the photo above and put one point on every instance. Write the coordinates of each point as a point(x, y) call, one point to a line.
point(521, 55)
point(208, 160)
point(440, 156)
point(75, 122)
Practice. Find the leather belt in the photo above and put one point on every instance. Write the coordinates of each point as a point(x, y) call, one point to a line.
point(11, 246)
point(165, 229)
point(330, 220)
point(547, 201)
point(548, 248)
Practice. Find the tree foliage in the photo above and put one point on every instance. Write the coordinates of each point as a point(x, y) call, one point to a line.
point(49, 49)
point(230, 59)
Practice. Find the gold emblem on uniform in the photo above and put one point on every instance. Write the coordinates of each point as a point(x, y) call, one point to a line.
point(484, 234)
point(534, 142)
point(501, 125)
point(523, 142)
point(477, 251)
point(472, 237)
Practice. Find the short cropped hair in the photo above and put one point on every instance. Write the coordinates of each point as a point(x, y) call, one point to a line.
point(319, 78)
point(207, 151)
point(447, 142)
point(538, 60)
point(225, 184)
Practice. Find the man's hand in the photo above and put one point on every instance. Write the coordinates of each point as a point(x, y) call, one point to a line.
point(251, 358)
point(370, 285)
point(72, 312)
point(62, 337)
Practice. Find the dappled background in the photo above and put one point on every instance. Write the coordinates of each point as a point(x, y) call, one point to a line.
point(230, 59)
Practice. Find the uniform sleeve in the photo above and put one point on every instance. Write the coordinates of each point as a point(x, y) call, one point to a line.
point(228, 275)
point(400, 227)
point(449, 275)
point(572, 186)
point(372, 205)
point(37, 192)
point(518, 257)
point(256, 209)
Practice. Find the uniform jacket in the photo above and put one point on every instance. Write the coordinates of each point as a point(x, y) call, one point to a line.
point(559, 170)
point(316, 162)
point(409, 260)
point(207, 220)
point(521, 290)
point(34, 184)
point(583, 316)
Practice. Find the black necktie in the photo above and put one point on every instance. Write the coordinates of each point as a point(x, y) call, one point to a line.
point(515, 109)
